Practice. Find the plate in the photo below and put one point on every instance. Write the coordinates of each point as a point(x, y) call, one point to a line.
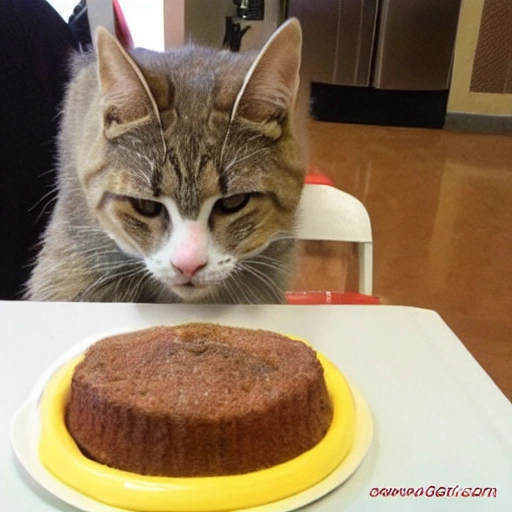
point(25, 431)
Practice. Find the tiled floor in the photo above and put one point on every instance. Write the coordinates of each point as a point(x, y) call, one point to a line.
point(441, 209)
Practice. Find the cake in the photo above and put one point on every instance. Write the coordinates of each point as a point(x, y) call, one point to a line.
point(197, 400)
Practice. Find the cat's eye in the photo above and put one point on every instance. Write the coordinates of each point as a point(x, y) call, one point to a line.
point(232, 204)
point(146, 207)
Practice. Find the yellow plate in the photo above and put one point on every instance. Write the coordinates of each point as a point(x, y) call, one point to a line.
point(125, 490)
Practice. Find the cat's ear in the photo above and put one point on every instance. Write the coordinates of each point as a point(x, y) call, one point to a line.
point(127, 98)
point(270, 86)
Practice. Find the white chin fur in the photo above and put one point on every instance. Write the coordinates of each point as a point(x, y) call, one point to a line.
point(191, 292)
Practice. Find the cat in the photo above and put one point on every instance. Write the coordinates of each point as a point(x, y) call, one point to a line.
point(179, 176)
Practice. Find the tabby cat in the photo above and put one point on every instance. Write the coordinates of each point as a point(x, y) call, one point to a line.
point(179, 176)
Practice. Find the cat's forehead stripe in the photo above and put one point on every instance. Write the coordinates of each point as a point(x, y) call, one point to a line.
point(175, 163)
point(193, 177)
point(156, 181)
point(205, 159)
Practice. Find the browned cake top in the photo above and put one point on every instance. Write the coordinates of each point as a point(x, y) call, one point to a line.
point(222, 369)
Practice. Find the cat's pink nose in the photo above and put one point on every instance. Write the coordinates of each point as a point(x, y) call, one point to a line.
point(189, 268)
point(190, 254)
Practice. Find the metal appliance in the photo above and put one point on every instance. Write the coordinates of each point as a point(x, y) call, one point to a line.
point(385, 44)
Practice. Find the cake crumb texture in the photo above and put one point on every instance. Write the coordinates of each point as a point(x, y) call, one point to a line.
point(197, 400)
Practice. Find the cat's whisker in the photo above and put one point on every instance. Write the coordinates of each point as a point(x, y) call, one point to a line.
point(242, 297)
point(279, 237)
point(263, 279)
point(135, 289)
point(43, 198)
point(87, 229)
point(113, 277)
point(53, 170)
point(107, 267)
point(248, 293)
point(273, 263)
point(100, 251)
point(228, 291)
point(128, 289)
point(102, 260)
point(266, 280)
point(117, 270)
point(101, 243)
point(45, 207)
point(232, 295)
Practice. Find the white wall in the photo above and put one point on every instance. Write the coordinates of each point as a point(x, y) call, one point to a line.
point(63, 7)
point(143, 17)
point(198, 21)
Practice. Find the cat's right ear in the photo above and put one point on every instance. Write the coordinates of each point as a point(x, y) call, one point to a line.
point(127, 98)
point(270, 87)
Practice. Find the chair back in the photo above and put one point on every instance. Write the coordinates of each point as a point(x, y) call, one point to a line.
point(327, 213)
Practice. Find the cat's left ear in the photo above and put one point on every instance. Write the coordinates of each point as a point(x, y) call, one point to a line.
point(127, 98)
point(270, 86)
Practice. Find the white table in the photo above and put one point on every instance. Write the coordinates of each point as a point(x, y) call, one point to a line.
point(440, 421)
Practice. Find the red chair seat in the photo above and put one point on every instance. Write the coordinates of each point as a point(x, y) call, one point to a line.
point(318, 298)
point(316, 177)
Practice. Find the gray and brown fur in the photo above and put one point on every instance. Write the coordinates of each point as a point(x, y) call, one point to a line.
point(155, 125)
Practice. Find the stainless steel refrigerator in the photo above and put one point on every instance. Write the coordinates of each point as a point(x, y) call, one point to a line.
point(378, 61)
point(386, 44)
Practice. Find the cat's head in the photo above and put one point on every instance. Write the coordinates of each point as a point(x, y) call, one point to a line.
point(197, 168)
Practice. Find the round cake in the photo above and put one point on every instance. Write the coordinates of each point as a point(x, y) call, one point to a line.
point(197, 400)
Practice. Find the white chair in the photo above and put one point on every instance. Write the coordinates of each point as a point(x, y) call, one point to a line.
point(327, 213)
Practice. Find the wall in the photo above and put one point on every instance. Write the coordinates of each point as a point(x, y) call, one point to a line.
point(481, 86)
point(160, 24)
point(203, 22)
point(261, 31)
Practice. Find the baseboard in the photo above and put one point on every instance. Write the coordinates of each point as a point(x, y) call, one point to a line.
point(483, 123)
point(366, 105)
